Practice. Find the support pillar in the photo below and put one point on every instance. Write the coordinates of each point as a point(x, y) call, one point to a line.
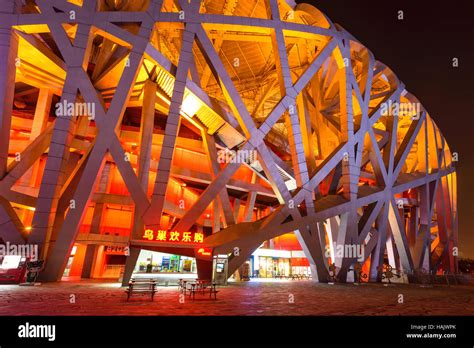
point(54, 176)
point(146, 137)
point(96, 223)
point(88, 261)
point(8, 56)
point(130, 265)
point(40, 121)
point(204, 268)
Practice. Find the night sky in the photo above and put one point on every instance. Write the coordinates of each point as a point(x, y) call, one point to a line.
point(420, 49)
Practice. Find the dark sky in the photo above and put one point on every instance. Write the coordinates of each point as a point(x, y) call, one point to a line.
point(420, 49)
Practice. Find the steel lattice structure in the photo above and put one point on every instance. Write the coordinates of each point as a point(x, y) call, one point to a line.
point(349, 156)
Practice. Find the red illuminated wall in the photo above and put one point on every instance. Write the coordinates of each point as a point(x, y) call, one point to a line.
point(299, 261)
point(78, 261)
point(287, 242)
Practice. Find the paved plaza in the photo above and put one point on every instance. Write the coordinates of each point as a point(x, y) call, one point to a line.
point(296, 297)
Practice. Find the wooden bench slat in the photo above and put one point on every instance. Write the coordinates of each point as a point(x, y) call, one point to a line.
point(142, 287)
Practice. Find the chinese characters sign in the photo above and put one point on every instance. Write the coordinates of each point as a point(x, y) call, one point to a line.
point(173, 236)
point(116, 250)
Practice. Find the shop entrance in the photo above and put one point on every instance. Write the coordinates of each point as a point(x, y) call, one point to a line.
point(274, 267)
point(161, 263)
point(280, 258)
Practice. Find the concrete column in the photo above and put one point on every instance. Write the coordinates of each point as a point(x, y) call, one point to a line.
point(54, 175)
point(217, 217)
point(249, 206)
point(251, 197)
point(153, 215)
point(204, 268)
point(8, 56)
point(130, 265)
point(97, 218)
point(236, 209)
point(146, 137)
point(40, 122)
point(88, 261)
point(412, 227)
point(99, 210)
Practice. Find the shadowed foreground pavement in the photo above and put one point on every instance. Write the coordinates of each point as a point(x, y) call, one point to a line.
point(251, 298)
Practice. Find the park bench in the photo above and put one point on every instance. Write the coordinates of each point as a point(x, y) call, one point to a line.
point(181, 285)
point(185, 285)
point(141, 287)
point(201, 286)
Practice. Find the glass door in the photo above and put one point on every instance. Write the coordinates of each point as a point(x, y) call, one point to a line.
point(269, 267)
point(263, 267)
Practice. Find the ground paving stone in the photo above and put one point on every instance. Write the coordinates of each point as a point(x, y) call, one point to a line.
point(247, 298)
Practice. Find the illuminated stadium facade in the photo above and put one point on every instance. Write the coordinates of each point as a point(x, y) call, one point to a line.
point(214, 129)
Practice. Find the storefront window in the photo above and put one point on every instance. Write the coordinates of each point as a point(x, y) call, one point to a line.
point(273, 263)
point(270, 267)
point(69, 261)
point(154, 262)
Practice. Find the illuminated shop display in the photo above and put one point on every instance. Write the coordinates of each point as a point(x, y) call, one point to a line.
point(158, 263)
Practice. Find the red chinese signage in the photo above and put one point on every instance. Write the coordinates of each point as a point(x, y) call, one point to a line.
point(173, 236)
point(116, 250)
